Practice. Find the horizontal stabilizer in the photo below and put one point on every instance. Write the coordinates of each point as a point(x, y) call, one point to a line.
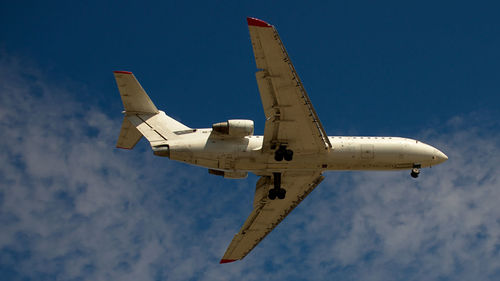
point(129, 135)
point(134, 98)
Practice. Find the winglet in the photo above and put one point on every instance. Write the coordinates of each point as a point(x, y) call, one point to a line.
point(226, 261)
point(257, 22)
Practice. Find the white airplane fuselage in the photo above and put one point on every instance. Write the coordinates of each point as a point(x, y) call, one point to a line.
point(205, 148)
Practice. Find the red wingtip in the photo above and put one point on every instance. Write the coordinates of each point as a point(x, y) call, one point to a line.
point(226, 261)
point(122, 72)
point(123, 147)
point(257, 22)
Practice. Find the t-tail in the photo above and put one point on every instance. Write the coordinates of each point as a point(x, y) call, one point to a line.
point(142, 118)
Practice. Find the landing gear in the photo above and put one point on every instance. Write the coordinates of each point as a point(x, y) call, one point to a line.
point(272, 194)
point(283, 153)
point(280, 193)
point(415, 171)
point(277, 191)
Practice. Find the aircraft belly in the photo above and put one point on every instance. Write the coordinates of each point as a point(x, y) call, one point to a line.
point(263, 162)
point(209, 163)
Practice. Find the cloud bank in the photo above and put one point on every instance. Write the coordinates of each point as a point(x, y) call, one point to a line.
point(72, 207)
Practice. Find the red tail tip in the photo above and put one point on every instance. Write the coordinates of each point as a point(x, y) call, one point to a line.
point(226, 261)
point(122, 72)
point(257, 22)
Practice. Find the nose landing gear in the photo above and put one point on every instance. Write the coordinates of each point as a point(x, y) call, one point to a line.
point(277, 191)
point(415, 171)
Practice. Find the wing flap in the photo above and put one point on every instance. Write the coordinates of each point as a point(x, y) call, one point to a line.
point(267, 214)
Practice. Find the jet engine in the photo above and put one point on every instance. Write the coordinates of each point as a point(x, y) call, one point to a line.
point(234, 128)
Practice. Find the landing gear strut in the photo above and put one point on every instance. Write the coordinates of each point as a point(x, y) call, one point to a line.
point(283, 153)
point(277, 191)
point(415, 171)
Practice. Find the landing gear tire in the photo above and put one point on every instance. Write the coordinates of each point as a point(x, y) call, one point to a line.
point(281, 193)
point(272, 194)
point(415, 172)
point(279, 155)
point(277, 191)
point(283, 153)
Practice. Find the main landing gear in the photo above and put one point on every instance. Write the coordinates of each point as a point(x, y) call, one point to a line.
point(415, 171)
point(277, 191)
point(283, 153)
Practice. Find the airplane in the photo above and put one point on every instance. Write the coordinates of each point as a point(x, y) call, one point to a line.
point(289, 158)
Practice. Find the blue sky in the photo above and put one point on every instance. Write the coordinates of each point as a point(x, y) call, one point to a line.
point(72, 207)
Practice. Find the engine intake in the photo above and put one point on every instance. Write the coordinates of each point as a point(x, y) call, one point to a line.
point(234, 128)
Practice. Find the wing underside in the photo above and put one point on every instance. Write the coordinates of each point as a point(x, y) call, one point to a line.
point(267, 214)
point(290, 115)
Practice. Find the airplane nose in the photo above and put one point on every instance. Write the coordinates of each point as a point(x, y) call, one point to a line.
point(440, 156)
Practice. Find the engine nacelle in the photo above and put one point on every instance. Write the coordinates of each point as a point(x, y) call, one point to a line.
point(234, 128)
point(229, 175)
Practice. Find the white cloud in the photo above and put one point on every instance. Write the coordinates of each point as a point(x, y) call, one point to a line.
point(72, 206)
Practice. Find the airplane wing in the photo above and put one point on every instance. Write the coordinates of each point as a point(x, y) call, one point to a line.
point(267, 214)
point(290, 117)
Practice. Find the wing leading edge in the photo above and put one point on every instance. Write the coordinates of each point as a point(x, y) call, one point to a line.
point(290, 115)
point(267, 214)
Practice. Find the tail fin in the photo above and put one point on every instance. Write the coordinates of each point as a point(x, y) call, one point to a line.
point(142, 118)
point(134, 98)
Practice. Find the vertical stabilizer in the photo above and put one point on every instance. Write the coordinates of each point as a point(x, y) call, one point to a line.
point(134, 98)
point(142, 118)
